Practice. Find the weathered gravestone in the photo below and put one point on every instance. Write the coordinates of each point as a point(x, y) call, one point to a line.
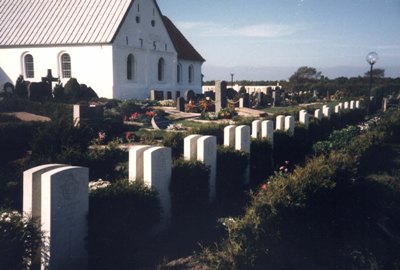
point(156, 95)
point(58, 196)
point(327, 111)
point(160, 122)
point(189, 95)
point(180, 104)
point(8, 88)
point(88, 114)
point(220, 96)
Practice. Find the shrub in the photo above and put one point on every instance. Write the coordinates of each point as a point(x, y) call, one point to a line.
point(322, 216)
point(121, 218)
point(105, 162)
point(174, 140)
point(20, 239)
point(261, 161)
point(189, 190)
point(231, 168)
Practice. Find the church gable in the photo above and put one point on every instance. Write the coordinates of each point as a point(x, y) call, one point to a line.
point(61, 22)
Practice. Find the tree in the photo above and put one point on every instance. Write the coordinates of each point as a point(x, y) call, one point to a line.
point(304, 74)
point(376, 73)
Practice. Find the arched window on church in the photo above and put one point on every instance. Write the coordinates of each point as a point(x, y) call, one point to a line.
point(161, 67)
point(130, 67)
point(179, 73)
point(29, 66)
point(66, 65)
point(190, 74)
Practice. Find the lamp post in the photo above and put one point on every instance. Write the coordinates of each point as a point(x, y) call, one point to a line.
point(232, 74)
point(371, 58)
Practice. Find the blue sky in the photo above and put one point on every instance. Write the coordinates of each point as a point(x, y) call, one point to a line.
point(270, 39)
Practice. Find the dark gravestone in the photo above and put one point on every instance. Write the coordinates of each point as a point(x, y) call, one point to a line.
point(177, 94)
point(156, 95)
point(189, 95)
point(180, 104)
point(40, 91)
point(8, 88)
point(246, 100)
point(169, 95)
point(49, 79)
point(220, 96)
point(160, 122)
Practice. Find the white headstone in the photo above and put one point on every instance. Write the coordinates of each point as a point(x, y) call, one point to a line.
point(318, 114)
point(136, 162)
point(32, 192)
point(76, 114)
point(241, 102)
point(327, 111)
point(229, 136)
point(65, 206)
point(340, 105)
point(304, 118)
point(352, 105)
point(207, 153)
point(267, 130)
point(242, 138)
point(190, 147)
point(256, 129)
point(157, 175)
point(280, 122)
point(357, 105)
point(289, 124)
point(337, 109)
point(346, 105)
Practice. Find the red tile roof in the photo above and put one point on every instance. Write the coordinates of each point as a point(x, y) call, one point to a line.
point(185, 50)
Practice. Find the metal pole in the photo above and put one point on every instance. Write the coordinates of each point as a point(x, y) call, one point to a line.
point(370, 90)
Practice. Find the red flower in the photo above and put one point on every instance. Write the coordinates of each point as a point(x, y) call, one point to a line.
point(264, 187)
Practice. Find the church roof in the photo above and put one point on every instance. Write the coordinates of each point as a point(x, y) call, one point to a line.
point(50, 22)
point(182, 45)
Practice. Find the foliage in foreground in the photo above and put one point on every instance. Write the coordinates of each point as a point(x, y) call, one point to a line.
point(324, 215)
point(20, 238)
point(121, 218)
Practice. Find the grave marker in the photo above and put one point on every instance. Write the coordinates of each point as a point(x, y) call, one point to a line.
point(289, 124)
point(318, 114)
point(256, 129)
point(136, 163)
point(190, 147)
point(280, 122)
point(229, 136)
point(304, 118)
point(64, 210)
point(267, 131)
point(207, 153)
point(220, 96)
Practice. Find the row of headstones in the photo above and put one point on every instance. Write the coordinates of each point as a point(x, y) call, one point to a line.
point(165, 95)
point(57, 195)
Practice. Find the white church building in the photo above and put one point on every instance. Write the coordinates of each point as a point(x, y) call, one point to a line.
point(122, 49)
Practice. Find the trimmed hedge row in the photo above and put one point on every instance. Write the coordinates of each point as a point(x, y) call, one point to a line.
point(324, 215)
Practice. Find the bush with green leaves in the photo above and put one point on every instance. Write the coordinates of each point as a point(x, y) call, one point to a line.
point(231, 168)
point(189, 190)
point(121, 218)
point(338, 139)
point(20, 238)
point(261, 160)
point(325, 215)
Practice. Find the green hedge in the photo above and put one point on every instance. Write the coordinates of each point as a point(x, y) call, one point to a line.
point(231, 168)
point(189, 191)
point(261, 161)
point(20, 239)
point(325, 215)
point(121, 218)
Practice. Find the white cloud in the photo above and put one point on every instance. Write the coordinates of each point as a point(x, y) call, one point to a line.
point(207, 29)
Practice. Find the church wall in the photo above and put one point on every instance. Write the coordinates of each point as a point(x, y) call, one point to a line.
point(195, 85)
point(90, 65)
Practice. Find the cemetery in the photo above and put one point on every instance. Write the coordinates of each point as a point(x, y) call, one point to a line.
point(110, 184)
